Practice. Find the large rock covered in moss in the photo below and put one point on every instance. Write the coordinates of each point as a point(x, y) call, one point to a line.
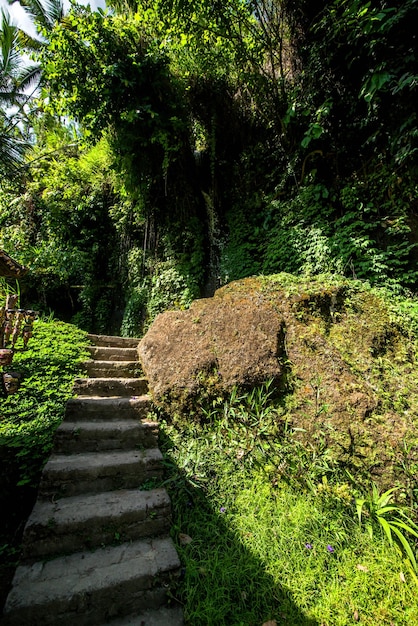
point(259, 329)
point(224, 341)
point(344, 371)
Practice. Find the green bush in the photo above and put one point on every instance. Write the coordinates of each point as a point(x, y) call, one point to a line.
point(135, 313)
point(30, 417)
point(360, 230)
point(169, 290)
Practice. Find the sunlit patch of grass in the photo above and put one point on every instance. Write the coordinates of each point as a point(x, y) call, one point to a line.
point(257, 544)
point(332, 568)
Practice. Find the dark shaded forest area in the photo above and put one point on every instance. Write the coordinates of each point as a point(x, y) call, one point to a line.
point(156, 150)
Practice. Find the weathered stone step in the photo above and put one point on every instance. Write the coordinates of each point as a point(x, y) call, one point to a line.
point(98, 408)
point(110, 386)
point(110, 341)
point(93, 472)
point(86, 522)
point(96, 436)
point(165, 616)
point(90, 588)
point(112, 369)
point(112, 353)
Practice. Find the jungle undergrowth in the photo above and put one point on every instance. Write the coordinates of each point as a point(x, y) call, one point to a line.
point(267, 528)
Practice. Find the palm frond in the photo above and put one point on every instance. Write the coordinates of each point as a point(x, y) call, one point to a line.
point(12, 150)
point(26, 42)
point(29, 76)
point(46, 14)
point(10, 58)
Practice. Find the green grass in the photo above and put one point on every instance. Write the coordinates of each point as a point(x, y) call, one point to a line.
point(268, 533)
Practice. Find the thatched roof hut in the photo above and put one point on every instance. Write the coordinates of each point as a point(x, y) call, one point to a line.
point(10, 268)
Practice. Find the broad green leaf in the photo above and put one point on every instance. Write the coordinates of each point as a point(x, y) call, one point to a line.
point(405, 527)
point(359, 507)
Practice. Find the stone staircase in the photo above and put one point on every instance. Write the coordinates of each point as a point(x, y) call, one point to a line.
point(96, 548)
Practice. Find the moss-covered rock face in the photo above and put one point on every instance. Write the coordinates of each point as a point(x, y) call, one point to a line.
point(345, 371)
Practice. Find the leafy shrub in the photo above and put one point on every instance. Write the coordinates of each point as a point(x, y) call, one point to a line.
point(168, 290)
point(242, 255)
point(381, 513)
point(135, 312)
point(360, 230)
point(30, 417)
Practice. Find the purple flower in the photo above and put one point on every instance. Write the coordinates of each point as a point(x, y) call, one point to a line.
point(222, 509)
point(330, 548)
point(308, 546)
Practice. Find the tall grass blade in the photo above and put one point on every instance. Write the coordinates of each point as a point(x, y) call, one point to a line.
point(406, 547)
point(387, 528)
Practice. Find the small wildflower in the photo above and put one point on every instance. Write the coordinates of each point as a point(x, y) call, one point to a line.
point(308, 546)
point(330, 548)
point(222, 509)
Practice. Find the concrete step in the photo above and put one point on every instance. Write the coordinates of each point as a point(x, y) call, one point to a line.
point(98, 408)
point(91, 588)
point(86, 522)
point(110, 387)
point(94, 472)
point(96, 436)
point(112, 353)
point(110, 341)
point(165, 616)
point(112, 369)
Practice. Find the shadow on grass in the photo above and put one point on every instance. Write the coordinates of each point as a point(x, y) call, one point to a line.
point(222, 582)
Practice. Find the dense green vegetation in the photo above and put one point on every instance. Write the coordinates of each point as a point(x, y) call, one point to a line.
point(156, 150)
point(277, 512)
point(264, 535)
point(177, 145)
point(29, 418)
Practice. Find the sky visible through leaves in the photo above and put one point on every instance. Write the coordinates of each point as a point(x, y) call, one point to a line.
point(20, 18)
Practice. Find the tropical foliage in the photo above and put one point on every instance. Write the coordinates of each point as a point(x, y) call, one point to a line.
point(240, 138)
point(157, 149)
point(15, 78)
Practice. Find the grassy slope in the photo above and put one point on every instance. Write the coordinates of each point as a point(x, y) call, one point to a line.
point(267, 526)
point(259, 544)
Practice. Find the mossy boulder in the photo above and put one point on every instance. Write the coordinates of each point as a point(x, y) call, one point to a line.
point(344, 368)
